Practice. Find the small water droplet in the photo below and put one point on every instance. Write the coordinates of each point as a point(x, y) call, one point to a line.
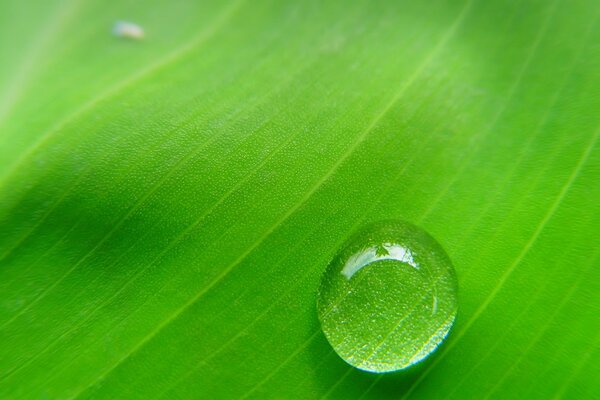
point(388, 298)
point(128, 30)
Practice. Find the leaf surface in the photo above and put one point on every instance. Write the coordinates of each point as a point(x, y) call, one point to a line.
point(168, 205)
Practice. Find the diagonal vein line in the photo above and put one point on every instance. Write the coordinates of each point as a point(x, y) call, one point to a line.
point(180, 162)
point(337, 383)
point(428, 59)
point(519, 160)
point(45, 37)
point(44, 217)
point(286, 360)
point(246, 328)
point(265, 312)
point(393, 101)
point(575, 371)
point(306, 197)
point(512, 92)
point(355, 226)
point(458, 21)
point(537, 130)
point(319, 366)
point(114, 229)
point(359, 221)
point(565, 299)
point(223, 198)
point(141, 201)
point(299, 350)
point(187, 231)
point(168, 59)
point(338, 163)
point(360, 139)
point(290, 76)
point(391, 184)
point(96, 160)
point(523, 312)
point(91, 313)
point(7, 252)
point(369, 387)
point(508, 272)
point(216, 280)
point(539, 37)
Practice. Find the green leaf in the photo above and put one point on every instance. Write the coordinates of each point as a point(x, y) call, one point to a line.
point(168, 205)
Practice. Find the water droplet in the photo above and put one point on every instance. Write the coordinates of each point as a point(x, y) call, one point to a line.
point(128, 30)
point(388, 298)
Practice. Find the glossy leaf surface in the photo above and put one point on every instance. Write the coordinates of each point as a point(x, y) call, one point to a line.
point(168, 205)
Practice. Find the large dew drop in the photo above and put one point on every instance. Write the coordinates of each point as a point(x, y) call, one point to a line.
point(388, 298)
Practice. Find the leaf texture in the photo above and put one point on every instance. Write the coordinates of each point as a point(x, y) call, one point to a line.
point(168, 205)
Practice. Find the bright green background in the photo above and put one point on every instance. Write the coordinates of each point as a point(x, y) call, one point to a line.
point(167, 206)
